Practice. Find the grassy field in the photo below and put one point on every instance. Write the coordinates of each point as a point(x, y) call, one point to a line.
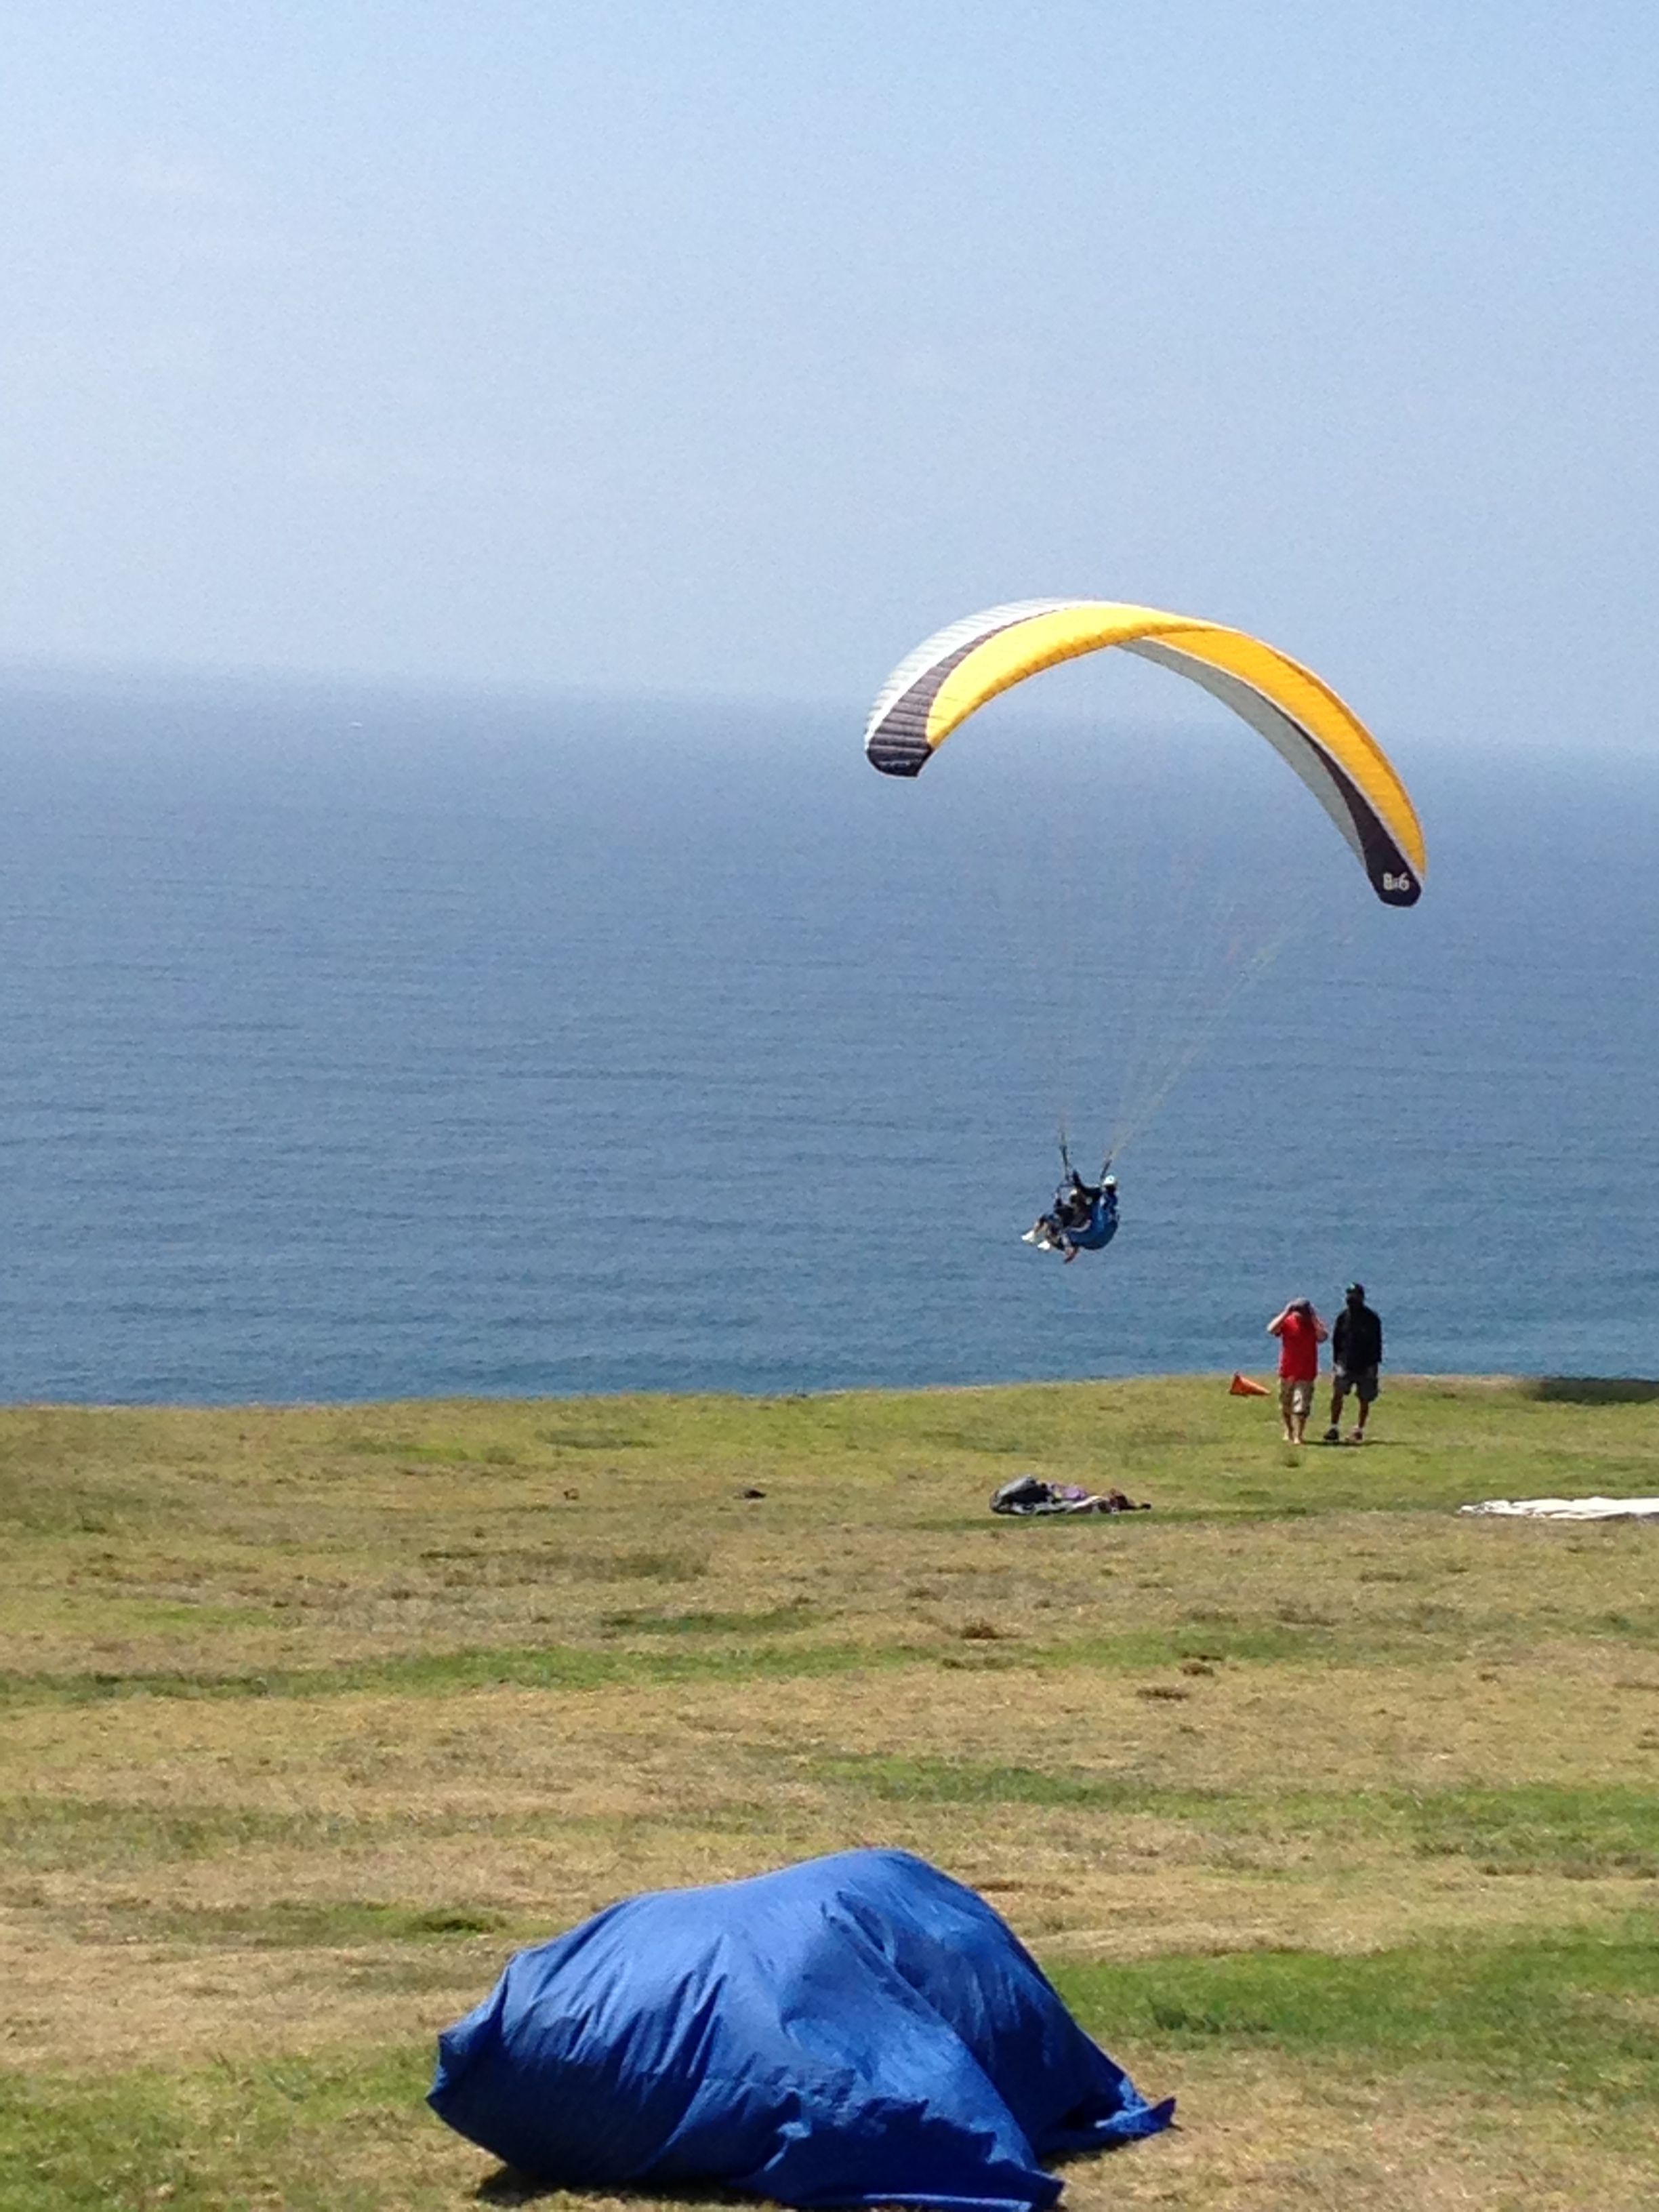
point(1331, 1812)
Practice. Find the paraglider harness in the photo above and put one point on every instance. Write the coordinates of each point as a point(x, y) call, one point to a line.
point(1084, 1216)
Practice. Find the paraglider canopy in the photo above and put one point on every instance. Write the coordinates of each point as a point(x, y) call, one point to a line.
point(941, 683)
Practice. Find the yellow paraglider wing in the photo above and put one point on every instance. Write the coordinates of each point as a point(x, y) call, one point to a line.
point(935, 689)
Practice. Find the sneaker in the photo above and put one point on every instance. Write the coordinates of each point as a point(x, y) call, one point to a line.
point(1358, 1438)
point(1333, 1436)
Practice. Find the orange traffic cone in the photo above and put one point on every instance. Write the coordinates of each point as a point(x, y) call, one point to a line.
point(1242, 1387)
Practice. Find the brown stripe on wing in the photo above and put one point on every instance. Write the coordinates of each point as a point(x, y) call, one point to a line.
point(1393, 877)
point(898, 744)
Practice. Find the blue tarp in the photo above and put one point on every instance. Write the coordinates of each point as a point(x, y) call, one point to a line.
point(858, 2030)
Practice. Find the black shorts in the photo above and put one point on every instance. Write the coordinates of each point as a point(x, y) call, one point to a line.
point(1362, 1381)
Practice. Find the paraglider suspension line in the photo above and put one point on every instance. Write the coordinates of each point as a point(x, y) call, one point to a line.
point(1066, 1169)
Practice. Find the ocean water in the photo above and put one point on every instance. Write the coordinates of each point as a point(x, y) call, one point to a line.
point(355, 1045)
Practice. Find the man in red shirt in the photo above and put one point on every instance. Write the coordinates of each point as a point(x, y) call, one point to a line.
point(1300, 1333)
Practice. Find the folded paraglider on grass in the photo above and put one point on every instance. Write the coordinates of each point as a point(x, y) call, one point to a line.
point(1028, 1495)
point(855, 2029)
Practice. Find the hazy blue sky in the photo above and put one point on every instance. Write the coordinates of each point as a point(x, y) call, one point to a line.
point(733, 347)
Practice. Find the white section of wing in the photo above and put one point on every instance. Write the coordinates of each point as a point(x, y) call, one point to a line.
point(1287, 736)
point(943, 643)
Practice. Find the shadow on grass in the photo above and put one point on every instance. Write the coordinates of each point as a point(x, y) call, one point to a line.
point(507, 2186)
point(1592, 1389)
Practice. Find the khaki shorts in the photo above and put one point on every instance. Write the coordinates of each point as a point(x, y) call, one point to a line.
point(1295, 1398)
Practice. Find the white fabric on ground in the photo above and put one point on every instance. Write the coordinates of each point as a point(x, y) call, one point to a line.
point(1571, 1508)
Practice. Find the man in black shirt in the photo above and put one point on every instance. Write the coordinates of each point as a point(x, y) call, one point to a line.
point(1356, 1355)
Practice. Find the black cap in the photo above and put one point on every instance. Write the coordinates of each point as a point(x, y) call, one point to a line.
point(1355, 1291)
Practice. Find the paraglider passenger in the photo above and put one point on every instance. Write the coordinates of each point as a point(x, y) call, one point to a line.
point(1075, 1202)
